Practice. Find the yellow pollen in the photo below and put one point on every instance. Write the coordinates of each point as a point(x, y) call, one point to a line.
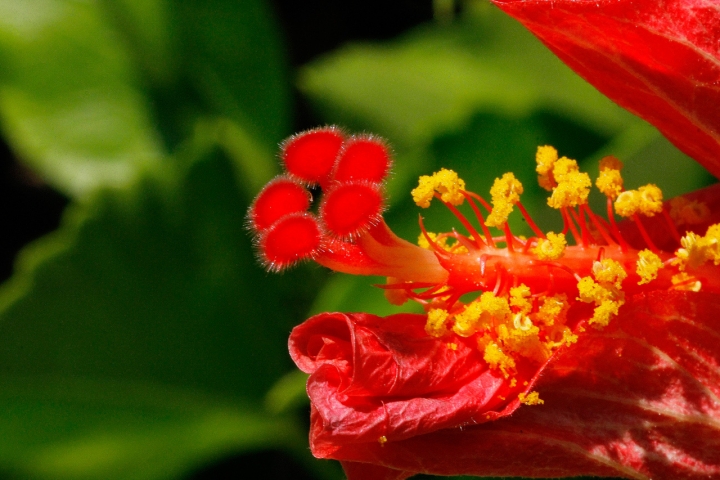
point(545, 158)
point(382, 440)
point(564, 167)
point(513, 382)
point(452, 346)
point(488, 309)
point(445, 182)
point(610, 181)
point(648, 265)
point(553, 310)
point(436, 320)
point(573, 186)
point(532, 398)
point(495, 357)
point(519, 298)
point(608, 271)
point(606, 293)
point(604, 312)
point(550, 248)
point(505, 193)
point(646, 200)
point(440, 242)
point(712, 240)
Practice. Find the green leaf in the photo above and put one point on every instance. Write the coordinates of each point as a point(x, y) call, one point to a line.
point(233, 58)
point(79, 429)
point(433, 80)
point(154, 283)
point(70, 103)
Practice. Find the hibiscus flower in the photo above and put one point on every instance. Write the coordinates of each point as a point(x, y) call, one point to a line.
point(591, 351)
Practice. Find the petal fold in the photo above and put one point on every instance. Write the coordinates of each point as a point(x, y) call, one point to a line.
point(638, 399)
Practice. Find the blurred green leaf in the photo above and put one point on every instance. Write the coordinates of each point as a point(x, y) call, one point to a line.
point(73, 429)
point(155, 283)
point(232, 57)
point(433, 80)
point(70, 103)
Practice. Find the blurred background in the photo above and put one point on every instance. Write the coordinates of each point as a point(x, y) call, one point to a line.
point(139, 338)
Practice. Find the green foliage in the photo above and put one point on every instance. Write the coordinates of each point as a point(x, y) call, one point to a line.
point(142, 339)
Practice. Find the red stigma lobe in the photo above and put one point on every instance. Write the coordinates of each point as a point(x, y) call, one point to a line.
point(280, 197)
point(294, 237)
point(310, 156)
point(349, 209)
point(363, 158)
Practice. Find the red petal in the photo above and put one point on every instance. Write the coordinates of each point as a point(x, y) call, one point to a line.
point(639, 399)
point(660, 59)
point(374, 378)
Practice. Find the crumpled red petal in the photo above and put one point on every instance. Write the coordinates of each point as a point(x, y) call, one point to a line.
point(376, 379)
point(639, 399)
point(658, 59)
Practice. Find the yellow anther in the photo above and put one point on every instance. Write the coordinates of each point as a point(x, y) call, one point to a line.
point(712, 240)
point(646, 200)
point(452, 346)
point(486, 310)
point(520, 299)
point(564, 167)
point(651, 200)
point(566, 338)
point(608, 271)
point(590, 291)
point(495, 357)
point(436, 322)
point(693, 252)
point(382, 440)
point(505, 193)
point(606, 293)
point(610, 181)
point(604, 312)
point(532, 398)
point(513, 382)
point(552, 247)
point(573, 186)
point(627, 203)
point(553, 310)
point(445, 182)
point(648, 265)
point(545, 159)
point(686, 212)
